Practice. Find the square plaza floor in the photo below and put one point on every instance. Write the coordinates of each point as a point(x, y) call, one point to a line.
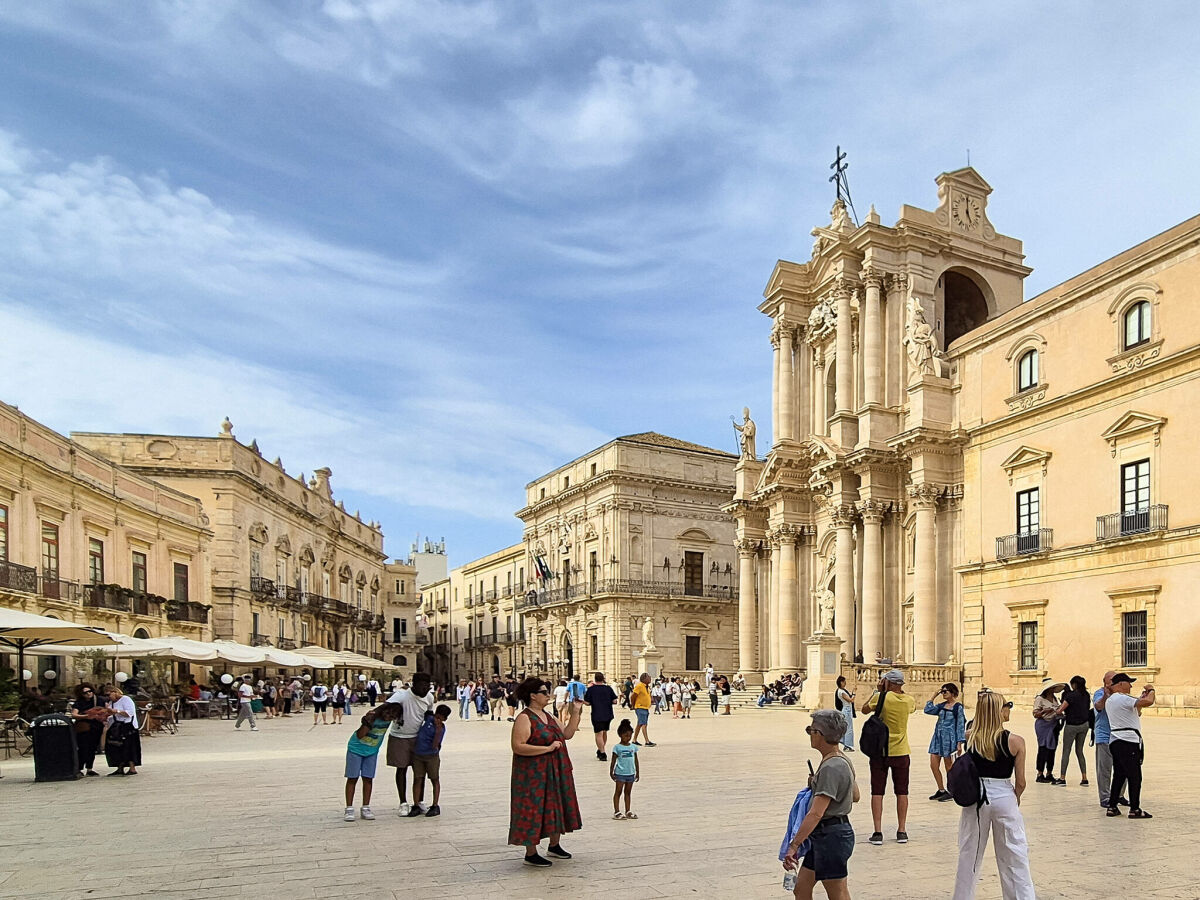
point(218, 813)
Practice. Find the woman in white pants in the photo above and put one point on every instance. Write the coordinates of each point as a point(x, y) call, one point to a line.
point(999, 758)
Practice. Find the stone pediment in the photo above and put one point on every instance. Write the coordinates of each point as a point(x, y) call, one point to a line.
point(1132, 424)
point(1023, 457)
point(966, 177)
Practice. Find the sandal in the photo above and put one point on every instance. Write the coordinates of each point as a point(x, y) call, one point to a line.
point(1139, 814)
point(1114, 812)
point(617, 815)
point(634, 815)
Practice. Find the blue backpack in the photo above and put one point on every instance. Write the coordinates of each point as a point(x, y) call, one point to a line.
point(426, 735)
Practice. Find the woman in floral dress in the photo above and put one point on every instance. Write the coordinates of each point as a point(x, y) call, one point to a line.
point(543, 801)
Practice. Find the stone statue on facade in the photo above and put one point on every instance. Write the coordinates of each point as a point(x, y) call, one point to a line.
point(746, 432)
point(648, 634)
point(923, 353)
point(828, 605)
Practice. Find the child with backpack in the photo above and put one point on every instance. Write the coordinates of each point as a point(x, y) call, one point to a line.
point(427, 760)
point(980, 782)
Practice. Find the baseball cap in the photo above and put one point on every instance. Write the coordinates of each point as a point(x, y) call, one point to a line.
point(895, 676)
point(1121, 676)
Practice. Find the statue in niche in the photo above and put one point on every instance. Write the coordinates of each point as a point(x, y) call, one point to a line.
point(924, 355)
point(828, 606)
point(746, 433)
point(648, 634)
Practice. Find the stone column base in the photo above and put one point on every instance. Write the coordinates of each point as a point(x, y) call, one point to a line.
point(823, 653)
point(649, 662)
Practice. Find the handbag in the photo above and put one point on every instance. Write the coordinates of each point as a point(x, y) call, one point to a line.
point(875, 736)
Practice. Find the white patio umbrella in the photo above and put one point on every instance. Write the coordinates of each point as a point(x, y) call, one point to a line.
point(343, 659)
point(22, 631)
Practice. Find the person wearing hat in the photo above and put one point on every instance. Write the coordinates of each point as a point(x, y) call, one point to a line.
point(834, 793)
point(897, 707)
point(1124, 724)
point(245, 693)
point(1101, 737)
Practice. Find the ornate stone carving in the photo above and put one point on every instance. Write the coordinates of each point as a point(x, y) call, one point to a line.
point(828, 607)
point(648, 634)
point(873, 510)
point(925, 495)
point(843, 516)
point(871, 277)
point(897, 283)
point(822, 320)
point(923, 354)
point(746, 432)
point(746, 547)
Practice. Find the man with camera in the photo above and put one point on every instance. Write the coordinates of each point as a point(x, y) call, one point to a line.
point(1124, 720)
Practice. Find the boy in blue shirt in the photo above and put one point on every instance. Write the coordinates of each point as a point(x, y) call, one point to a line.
point(362, 755)
point(624, 769)
point(427, 760)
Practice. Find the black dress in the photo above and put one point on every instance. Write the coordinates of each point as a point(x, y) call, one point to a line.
point(87, 733)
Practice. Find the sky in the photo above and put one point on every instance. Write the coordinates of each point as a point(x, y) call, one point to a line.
point(446, 247)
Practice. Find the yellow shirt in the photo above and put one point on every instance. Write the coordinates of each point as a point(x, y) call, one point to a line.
point(641, 696)
point(896, 710)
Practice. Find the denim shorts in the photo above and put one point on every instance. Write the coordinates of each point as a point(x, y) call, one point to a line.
point(643, 716)
point(624, 779)
point(830, 851)
point(361, 766)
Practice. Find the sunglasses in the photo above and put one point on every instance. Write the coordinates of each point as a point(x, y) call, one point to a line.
point(542, 691)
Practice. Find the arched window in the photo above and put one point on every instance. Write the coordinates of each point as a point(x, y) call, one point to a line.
point(1027, 370)
point(1137, 324)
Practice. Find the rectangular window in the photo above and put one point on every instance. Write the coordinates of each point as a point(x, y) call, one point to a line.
point(1135, 486)
point(1028, 520)
point(304, 633)
point(593, 470)
point(281, 629)
point(691, 652)
point(495, 624)
point(566, 482)
point(139, 571)
point(595, 651)
point(401, 588)
point(1133, 639)
point(1029, 645)
point(593, 568)
point(566, 573)
point(3, 534)
point(403, 626)
point(254, 624)
point(358, 595)
point(95, 561)
point(255, 563)
point(693, 573)
point(50, 550)
point(179, 572)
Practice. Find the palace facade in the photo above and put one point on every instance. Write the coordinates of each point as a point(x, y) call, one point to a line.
point(995, 489)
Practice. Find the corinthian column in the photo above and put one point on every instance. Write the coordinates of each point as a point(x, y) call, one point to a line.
point(747, 611)
point(872, 512)
point(777, 431)
point(873, 338)
point(773, 615)
point(820, 426)
point(787, 383)
point(843, 588)
point(924, 499)
point(844, 401)
point(789, 605)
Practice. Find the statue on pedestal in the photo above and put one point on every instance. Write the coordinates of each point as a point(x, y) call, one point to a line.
point(746, 433)
point(648, 634)
point(924, 355)
point(828, 606)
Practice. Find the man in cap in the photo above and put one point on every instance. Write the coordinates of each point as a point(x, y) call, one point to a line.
point(245, 694)
point(897, 707)
point(1101, 737)
point(1124, 723)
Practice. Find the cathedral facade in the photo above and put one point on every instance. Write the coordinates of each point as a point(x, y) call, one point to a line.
point(967, 481)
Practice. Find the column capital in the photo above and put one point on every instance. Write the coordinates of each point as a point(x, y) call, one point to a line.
point(873, 511)
point(782, 330)
point(843, 516)
point(871, 277)
point(747, 547)
point(787, 533)
point(925, 495)
point(897, 282)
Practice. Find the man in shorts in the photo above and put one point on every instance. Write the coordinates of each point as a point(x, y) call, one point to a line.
point(601, 699)
point(641, 708)
point(897, 707)
point(510, 697)
point(402, 736)
point(495, 694)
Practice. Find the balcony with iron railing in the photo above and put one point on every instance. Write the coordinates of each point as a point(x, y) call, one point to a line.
point(186, 611)
point(285, 643)
point(1147, 520)
point(421, 638)
point(14, 577)
point(675, 590)
point(259, 640)
point(1024, 543)
point(511, 637)
point(490, 597)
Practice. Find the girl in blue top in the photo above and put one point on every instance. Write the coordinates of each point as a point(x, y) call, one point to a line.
point(949, 735)
point(624, 769)
point(362, 754)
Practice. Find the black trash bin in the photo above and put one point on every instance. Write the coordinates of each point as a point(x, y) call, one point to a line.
point(55, 755)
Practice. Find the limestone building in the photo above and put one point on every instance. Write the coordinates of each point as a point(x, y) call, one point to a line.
point(87, 541)
point(985, 486)
point(403, 638)
point(289, 565)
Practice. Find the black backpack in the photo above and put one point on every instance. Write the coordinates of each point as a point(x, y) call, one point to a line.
point(837, 700)
point(964, 784)
point(873, 741)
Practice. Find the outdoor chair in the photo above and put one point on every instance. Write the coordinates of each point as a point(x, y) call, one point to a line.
point(15, 736)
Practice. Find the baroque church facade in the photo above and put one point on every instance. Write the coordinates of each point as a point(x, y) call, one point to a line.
point(967, 481)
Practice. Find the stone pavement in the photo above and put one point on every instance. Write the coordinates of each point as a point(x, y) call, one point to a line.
point(218, 814)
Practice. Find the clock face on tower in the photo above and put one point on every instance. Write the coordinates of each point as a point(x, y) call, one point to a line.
point(967, 211)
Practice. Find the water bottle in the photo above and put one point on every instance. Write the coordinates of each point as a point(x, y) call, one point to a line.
point(789, 882)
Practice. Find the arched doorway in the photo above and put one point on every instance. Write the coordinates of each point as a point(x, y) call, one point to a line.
point(495, 664)
point(568, 653)
point(964, 305)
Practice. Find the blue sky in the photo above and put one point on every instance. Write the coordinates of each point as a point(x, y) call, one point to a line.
point(446, 247)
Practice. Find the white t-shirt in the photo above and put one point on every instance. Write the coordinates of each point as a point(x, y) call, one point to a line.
point(320, 693)
point(1123, 714)
point(560, 694)
point(414, 712)
point(245, 693)
point(125, 711)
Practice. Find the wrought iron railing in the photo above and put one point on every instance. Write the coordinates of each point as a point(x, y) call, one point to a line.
point(14, 577)
point(511, 637)
point(1023, 543)
point(262, 586)
point(639, 587)
point(187, 612)
point(1138, 521)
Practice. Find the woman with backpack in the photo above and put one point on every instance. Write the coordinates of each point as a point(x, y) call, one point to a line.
point(949, 734)
point(998, 758)
point(341, 697)
point(843, 700)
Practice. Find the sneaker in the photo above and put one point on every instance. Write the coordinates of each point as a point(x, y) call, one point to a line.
point(946, 797)
point(255, 728)
point(651, 744)
point(599, 754)
point(414, 811)
point(366, 813)
point(404, 808)
point(539, 861)
point(1058, 782)
point(434, 810)
point(349, 816)
point(936, 795)
point(876, 838)
point(558, 852)
point(1042, 779)
point(901, 837)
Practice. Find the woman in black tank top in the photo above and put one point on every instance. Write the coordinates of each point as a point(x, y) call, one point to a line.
point(1002, 765)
